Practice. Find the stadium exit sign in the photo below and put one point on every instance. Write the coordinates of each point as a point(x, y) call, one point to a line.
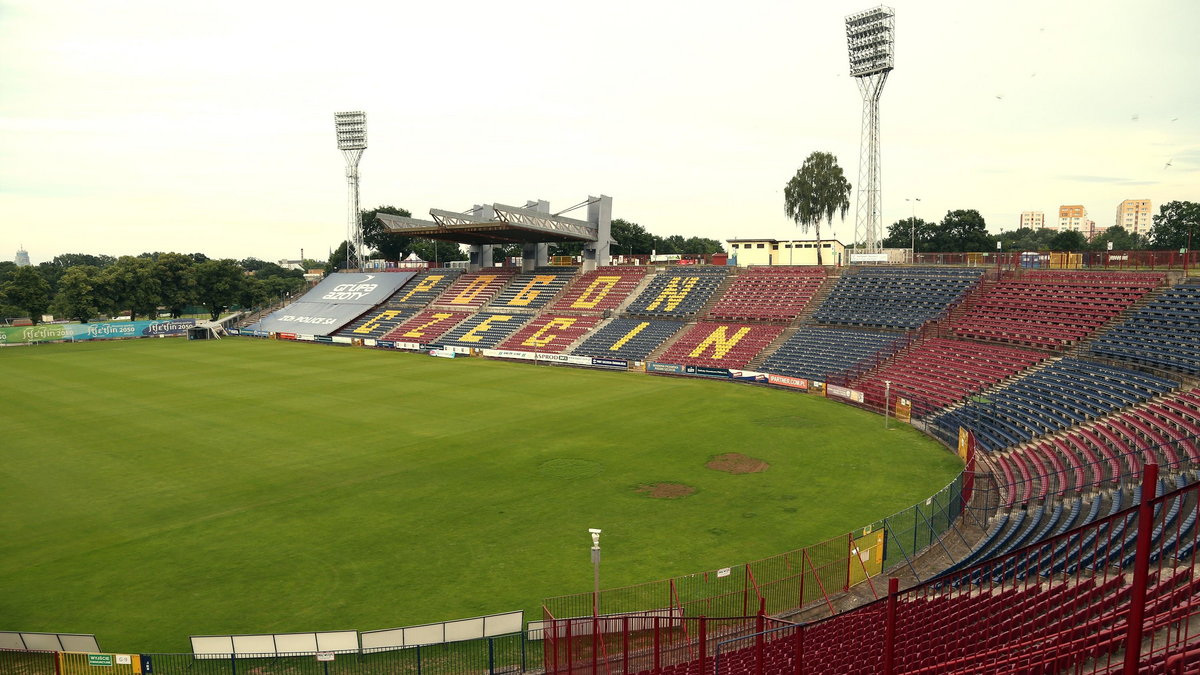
point(95, 660)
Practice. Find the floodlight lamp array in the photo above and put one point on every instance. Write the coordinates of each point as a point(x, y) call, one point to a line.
point(869, 37)
point(351, 130)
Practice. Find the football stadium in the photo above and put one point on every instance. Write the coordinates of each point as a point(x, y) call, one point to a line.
point(560, 458)
point(767, 453)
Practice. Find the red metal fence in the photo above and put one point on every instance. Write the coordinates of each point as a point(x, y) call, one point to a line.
point(1121, 594)
point(1118, 595)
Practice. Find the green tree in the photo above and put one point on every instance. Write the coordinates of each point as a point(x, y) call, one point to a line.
point(900, 234)
point(337, 259)
point(81, 294)
point(630, 238)
point(28, 291)
point(499, 253)
point(1173, 224)
point(435, 251)
point(962, 230)
point(253, 264)
point(817, 191)
point(702, 245)
point(1027, 239)
point(176, 277)
point(385, 244)
point(69, 260)
point(219, 284)
point(668, 245)
point(1122, 240)
point(1069, 240)
point(134, 285)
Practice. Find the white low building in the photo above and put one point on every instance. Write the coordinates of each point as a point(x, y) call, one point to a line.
point(786, 251)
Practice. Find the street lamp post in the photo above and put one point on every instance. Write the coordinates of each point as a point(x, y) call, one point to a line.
point(595, 571)
point(912, 225)
point(887, 398)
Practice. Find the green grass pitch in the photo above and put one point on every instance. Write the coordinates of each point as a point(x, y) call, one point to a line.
point(155, 489)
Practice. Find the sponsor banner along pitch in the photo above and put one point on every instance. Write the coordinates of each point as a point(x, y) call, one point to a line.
point(103, 330)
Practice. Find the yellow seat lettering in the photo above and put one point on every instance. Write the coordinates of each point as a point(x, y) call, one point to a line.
point(474, 288)
point(476, 333)
point(375, 321)
point(629, 336)
point(435, 319)
point(541, 338)
point(526, 295)
point(674, 292)
point(720, 341)
point(595, 292)
point(424, 285)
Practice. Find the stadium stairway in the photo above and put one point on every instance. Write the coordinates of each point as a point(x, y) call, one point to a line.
point(707, 307)
point(756, 362)
point(635, 293)
point(670, 342)
point(822, 292)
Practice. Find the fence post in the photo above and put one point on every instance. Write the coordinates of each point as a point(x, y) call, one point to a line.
point(418, 659)
point(889, 629)
point(703, 644)
point(491, 656)
point(657, 662)
point(1141, 570)
point(759, 627)
point(625, 645)
point(798, 660)
point(233, 663)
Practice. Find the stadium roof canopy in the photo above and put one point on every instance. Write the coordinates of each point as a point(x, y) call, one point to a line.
point(504, 225)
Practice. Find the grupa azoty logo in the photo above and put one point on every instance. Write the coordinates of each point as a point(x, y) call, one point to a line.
point(352, 291)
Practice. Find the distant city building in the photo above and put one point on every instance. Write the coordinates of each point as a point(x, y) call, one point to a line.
point(1134, 215)
point(292, 265)
point(22, 258)
point(1072, 217)
point(786, 252)
point(1034, 220)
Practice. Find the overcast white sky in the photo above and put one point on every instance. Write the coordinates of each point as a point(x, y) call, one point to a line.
point(142, 125)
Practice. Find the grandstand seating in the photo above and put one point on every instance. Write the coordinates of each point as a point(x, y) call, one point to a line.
point(678, 292)
point(895, 297)
point(532, 290)
point(423, 288)
point(475, 289)
point(377, 322)
point(768, 294)
point(1067, 392)
point(936, 372)
point(426, 327)
point(825, 353)
point(601, 290)
point(1061, 625)
point(551, 333)
point(1051, 309)
point(483, 330)
point(631, 339)
point(1163, 334)
point(721, 345)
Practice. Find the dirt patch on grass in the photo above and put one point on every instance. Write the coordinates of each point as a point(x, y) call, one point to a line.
point(665, 490)
point(736, 462)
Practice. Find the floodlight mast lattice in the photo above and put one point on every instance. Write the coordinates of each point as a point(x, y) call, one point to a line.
point(870, 38)
point(352, 140)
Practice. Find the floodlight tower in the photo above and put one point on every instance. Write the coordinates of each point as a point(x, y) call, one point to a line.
point(869, 37)
point(352, 140)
